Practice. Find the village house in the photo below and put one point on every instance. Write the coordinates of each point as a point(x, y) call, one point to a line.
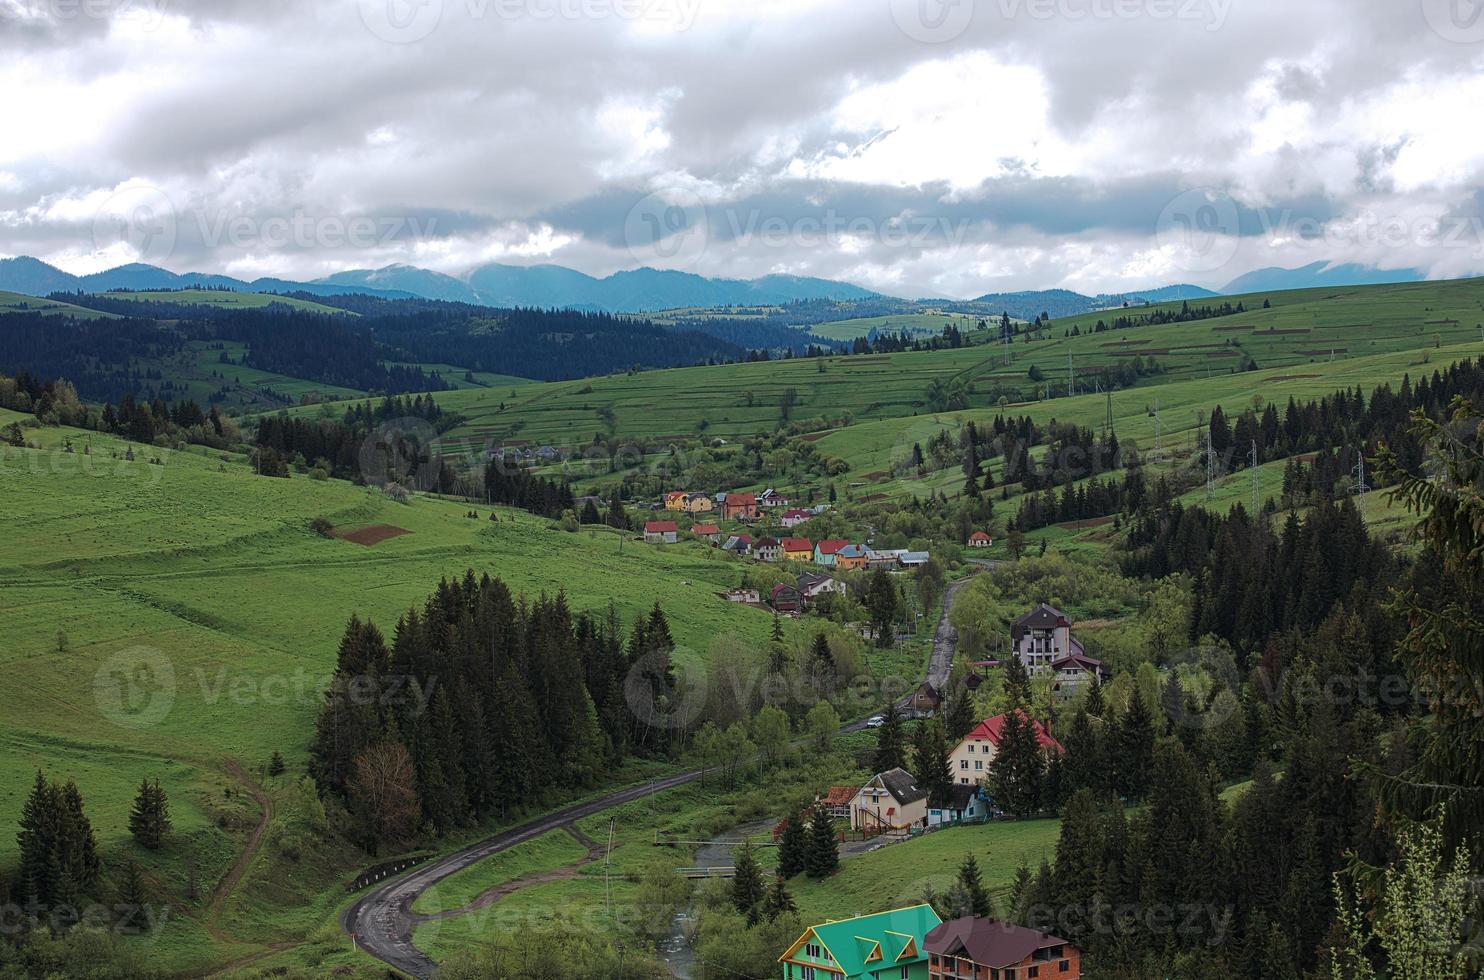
point(675, 499)
point(924, 701)
point(825, 551)
point(772, 500)
point(660, 532)
point(748, 596)
point(739, 506)
point(914, 559)
point(890, 802)
point(798, 549)
point(738, 544)
point(812, 585)
point(1071, 673)
point(850, 558)
point(885, 561)
point(796, 517)
point(707, 532)
point(786, 599)
point(980, 540)
point(884, 946)
point(983, 949)
point(837, 801)
point(767, 549)
point(970, 759)
point(965, 803)
point(1042, 637)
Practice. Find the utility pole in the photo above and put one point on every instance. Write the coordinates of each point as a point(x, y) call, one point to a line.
point(1108, 425)
point(1210, 467)
point(1256, 483)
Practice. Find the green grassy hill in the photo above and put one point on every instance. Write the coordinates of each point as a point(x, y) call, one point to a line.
point(18, 303)
point(226, 299)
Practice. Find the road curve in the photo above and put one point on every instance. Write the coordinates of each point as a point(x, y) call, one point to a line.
point(381, 922)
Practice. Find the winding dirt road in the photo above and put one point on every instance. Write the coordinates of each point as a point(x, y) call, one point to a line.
point(381, 922)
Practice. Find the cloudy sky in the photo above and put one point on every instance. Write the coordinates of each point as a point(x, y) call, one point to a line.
point(919, 147)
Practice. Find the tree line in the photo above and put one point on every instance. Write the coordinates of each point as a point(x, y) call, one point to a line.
point(485, 703)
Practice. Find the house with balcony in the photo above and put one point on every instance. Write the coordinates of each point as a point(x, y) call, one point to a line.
point(890, 802)
point(884, 946)
point(972, 948)
point(1042, 637)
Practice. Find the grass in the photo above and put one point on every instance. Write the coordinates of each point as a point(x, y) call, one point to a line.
point(898, 874)
point(552, 850)
point(918, 324)
point(226, 299)
point(18, 303)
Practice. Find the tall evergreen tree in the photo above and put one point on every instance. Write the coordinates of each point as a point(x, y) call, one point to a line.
point(747, 883)
point(778, 901)
point(149, 820)
point(823, 856)
point(793, 846)
point(1135, 748)
point(972, 883)
point(890, 750)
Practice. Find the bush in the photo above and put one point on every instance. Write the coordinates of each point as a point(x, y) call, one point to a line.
point(322, 527)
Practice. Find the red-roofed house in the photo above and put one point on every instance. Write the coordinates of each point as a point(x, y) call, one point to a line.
point(970, 759)
point(838, 801)
point(660, 532)
point(980, 540)
point(798, 549)
point(707, 532)
point(739, 507)
point(796, 517)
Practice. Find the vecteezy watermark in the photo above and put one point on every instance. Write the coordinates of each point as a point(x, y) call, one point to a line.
point(410, 21)
point(1215, 672)
point(668, 226)
point(400, 451)
point(123, 918)
point(145, 14)
point(147, 463)
point(932, 21)
point(1369, 229)
point(1459, 21)
point(139, 218)
point(1210, 13)
point(135, 688)
point(1205, 922)
point(1200, 227)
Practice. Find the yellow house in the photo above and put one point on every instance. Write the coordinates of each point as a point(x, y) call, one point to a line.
point(699, 503)
point(798, 549)
point(675, 499)
point(890, 801)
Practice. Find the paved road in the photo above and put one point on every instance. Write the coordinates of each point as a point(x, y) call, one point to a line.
point(382, 921)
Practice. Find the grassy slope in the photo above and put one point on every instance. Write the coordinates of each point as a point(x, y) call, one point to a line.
point(551, 850)
point(1356, 322)
point(197, 588)
point(18, 303)
point(227, 299)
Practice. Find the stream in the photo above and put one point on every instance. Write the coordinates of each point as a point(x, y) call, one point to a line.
point(675, 949)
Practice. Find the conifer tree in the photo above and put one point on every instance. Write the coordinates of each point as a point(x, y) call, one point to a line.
point(133, 900)
point(37, 840)
point(970, 880)
point(149, 820)
point(276, 765)
point(793, 846)
point(890, 750)
point(1135, 748)
point(823, 856)
point(778, 901)
point(747, 883)
point(1016, 774)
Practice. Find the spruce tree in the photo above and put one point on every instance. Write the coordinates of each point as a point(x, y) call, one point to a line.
point(778, 900)
point(78, 846)
point(276, 765)
point(890, 751)
point(1016, 773)
point(958, 714)
point(823, 856)
point(149, 820)
point(133, 900)
point(1135, 748)
point(972, 883)
point(793, 846)
point(747, 883)
point(38, 844)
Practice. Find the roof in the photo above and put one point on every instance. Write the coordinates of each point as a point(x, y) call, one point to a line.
point(988, 943)
point(767, 542)
point(927, 688)
point(740, 499)
point(810, 579)
point(798, 513)
point(675, 494)
point(1043, 617)
point(916, 558)
point(980, 536)
point(839, 795)
point(960, 795)
point(901, 784)
point(831, 546)
point(1078, 660)
point(660, 527)
point(797, 544)
point(851, 551)
point(783, 587)
point(876, 942)
point(991, 728)
point(706, 529)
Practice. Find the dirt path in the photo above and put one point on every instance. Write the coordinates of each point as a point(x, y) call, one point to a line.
point(504, 890)
point(228, 885)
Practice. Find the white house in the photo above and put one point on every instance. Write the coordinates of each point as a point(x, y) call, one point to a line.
point(1042, 637)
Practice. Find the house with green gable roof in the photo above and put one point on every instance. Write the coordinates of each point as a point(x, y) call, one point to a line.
point(884, 946)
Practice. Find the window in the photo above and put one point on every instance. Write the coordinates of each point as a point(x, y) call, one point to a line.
point(1034, 971)
point(906, 972)
point(1064, 966)
point(963, 763)
point(979, 764)
point(812, 951)
point(971, 746)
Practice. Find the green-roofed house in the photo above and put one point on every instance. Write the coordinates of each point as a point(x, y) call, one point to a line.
point(884, 946)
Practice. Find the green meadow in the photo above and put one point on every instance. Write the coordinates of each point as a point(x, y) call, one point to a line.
point(226, 299)
point(18, 303)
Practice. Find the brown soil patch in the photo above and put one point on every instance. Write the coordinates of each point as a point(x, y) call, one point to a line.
point(878, 475)
point(873, 498)
point(1294, 377)
point(1221, 353)
point(1090, 522)
point(1245, 326)
point(813, 436)
point(371, 534)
